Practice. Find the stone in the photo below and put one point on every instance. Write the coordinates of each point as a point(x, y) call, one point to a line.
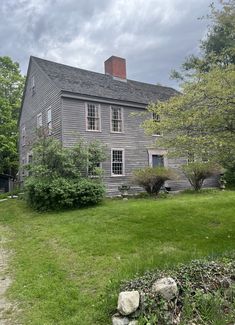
point(133, 322)
point(128, 302)
point(116, 320)
point(165, 287)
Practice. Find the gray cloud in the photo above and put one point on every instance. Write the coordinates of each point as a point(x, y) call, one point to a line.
point(153, 35)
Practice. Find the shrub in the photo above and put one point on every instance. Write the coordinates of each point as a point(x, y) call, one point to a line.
point(152, 178)
point(61, 193)
point(230, 176)
point(197, 172)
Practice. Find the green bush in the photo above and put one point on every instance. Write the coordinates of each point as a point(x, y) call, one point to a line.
point(152, 178)
point(61, 193)
point(197, 172)
point(230, 176)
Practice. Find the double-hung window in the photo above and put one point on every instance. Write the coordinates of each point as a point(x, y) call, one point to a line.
point(116, 119)
point(156, 119)
point(39, 120)
point(49, 122)
point(117, 163)
point(93, 117)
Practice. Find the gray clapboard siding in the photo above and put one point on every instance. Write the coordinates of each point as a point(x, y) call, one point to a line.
point(46, 95)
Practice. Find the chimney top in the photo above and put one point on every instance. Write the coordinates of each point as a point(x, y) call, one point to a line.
point(116, 67)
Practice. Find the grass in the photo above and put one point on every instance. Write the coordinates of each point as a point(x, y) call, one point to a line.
point(66, 264)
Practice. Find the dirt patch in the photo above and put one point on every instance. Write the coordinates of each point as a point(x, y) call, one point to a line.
point(7, 308)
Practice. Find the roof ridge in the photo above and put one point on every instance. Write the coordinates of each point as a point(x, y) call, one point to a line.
point(99, 73)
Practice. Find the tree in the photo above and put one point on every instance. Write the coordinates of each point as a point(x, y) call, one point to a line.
point(200, 123)
point(64, 177)
point(197, 172)
point(217, 49)
point(11, 89)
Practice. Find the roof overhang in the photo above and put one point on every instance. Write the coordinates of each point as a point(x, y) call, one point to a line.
point(109, 101)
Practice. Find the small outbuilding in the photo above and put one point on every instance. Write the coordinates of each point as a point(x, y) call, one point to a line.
point(6, 183)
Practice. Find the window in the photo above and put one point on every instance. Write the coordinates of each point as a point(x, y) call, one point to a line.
point(93, 117)
point(156, 119)
point(117, 162)
point(23, 136)
point(157, 161)
point(49, 124)
point(39, 120)
point(157, 157)
point(33, 85)
point(116, 119)
point(91, 169)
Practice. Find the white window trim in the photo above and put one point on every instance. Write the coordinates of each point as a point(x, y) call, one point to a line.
point(39, 116)
point(86, 117)
point(156, 135)
point(160, 152)
point(123, 162)
point(111, 125)
point(49, 121)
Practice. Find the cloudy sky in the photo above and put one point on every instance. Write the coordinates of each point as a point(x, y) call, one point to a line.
point(153, 35)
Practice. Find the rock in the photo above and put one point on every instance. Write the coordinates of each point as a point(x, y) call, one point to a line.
point(128, 302)
point(116, 320)
point(166, 287)
point(133, 322)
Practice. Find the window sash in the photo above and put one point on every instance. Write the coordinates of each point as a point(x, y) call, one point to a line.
point(93, 117)
point(116, 119)
point(156, 118)
point(49, 123)
point(39, 120)
point(117, 162)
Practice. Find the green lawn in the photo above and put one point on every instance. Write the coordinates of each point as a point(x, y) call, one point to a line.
point(64, 261)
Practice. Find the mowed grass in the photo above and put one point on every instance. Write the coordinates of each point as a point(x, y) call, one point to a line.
point(64, 262)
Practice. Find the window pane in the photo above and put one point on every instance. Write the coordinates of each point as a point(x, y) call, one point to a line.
point(49, 115)
point(116, 119)
point(117, 162)
point(93, 119)
point(157, 160)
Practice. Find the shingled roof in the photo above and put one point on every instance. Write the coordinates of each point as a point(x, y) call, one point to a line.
point(91, 83)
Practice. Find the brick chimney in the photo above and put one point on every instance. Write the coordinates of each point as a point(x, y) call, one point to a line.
point(115, 67)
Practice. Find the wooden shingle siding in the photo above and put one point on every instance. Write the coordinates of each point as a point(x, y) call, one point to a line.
point(45, 95)
point(133, 140)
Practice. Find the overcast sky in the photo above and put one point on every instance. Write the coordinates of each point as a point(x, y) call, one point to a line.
point(153, 35)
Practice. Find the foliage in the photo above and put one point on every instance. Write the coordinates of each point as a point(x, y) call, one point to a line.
point(206, 288)
point(60, 254)
point(61, 193)
point(152, 178)
point(60, 177)
point(230, 175)
point(201, 121)
point(11, 89)
point(218, 48)
point(51, 159)
point(70, 263)
point(197, 172)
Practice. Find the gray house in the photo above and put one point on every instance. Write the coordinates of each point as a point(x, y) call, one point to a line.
point(73, 103)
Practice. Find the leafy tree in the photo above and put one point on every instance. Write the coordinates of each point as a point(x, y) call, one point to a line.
point(200, 123)
point(11, 89)
point(63, 177)
point(52, 160)
point(218, 48)
point(197, 172)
